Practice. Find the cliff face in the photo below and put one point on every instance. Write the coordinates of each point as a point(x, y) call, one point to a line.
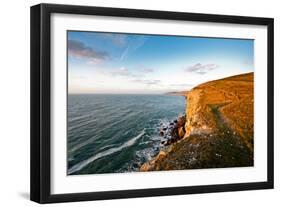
point(218, 127)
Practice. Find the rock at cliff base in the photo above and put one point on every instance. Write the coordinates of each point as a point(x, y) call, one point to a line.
point(145, 167)
point(161, 155)
point(181, 132)
point(181, 121)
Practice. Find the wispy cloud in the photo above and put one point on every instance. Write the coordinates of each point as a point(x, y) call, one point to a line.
point(184, 85)
point(122, 72)
point(133, 44)
point(125, 52)
point(147, 82)
point(116, 39)
point(147, 70)
point(78, 49)
point(201, 68)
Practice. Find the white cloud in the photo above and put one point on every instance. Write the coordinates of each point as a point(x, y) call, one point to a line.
point(201, 68)
point(147, 82)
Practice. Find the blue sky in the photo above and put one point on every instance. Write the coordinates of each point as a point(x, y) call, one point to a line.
point(136, 63)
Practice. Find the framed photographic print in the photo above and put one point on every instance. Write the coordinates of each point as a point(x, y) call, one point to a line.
point(132, 103)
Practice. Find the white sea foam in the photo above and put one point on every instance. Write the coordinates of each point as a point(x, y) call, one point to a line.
point(82, 144)
point(107, 146)
point(84, 163)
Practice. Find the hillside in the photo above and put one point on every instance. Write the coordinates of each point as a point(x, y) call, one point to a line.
point(218, 128)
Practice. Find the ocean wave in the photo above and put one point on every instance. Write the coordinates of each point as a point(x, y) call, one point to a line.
point(84, 163)
point(97, 132)
point(82, 144)
point(81, 117)
point(153, 146)
point(82, 124)
point(107, 146)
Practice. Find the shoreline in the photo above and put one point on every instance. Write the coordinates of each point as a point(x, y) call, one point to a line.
point(218, 128)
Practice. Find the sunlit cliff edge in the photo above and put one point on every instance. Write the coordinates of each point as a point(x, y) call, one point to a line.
point(218, 128)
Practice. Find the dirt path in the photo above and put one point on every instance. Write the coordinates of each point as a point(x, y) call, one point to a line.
point(219, 119)
point(222, 148)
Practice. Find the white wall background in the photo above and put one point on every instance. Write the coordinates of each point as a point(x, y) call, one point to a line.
point(14, 103)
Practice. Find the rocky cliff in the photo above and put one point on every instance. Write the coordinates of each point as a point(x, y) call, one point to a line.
point(218, 128)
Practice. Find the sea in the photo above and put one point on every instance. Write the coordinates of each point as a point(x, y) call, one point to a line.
point(117, 133)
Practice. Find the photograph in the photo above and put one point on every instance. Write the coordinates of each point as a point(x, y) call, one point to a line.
point(170, 102)
point(156, 102)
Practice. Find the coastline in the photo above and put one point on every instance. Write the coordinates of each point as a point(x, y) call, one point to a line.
point(217, 130)
point(178, 93)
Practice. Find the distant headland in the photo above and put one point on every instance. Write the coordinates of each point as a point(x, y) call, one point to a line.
point(177, 93)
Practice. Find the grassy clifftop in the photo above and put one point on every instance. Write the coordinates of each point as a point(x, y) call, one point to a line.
point(218, 127)
point(227, 101)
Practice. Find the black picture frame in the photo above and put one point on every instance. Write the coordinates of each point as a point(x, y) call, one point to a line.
point(41, 98)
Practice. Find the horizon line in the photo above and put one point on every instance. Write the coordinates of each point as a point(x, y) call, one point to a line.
point(170, 91)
